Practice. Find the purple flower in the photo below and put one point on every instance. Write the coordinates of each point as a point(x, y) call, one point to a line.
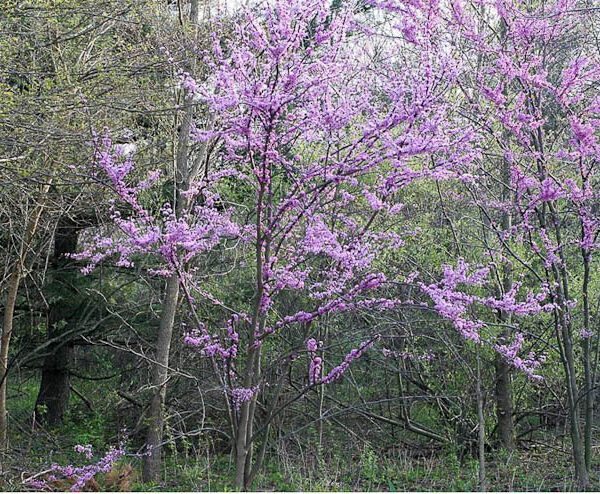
point(312, 345)
point(241, 395)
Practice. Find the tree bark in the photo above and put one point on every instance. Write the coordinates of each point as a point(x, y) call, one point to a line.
point(581, 471)
point(588, 389)
point(55, 386)
point(244, 443)
point(160, 366)
point(503, 378)
point(480, 429)
point(503, 388)
point(9, 312)
point(7, 328)
point(245, 423)
point(152, 461)
point(184, 176)
point(504, 408)
point(564, 329)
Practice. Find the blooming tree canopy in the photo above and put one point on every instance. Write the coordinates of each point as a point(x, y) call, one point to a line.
point(323, 122)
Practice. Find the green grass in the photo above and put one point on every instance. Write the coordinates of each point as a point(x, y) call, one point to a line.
point(339, 465)
point(369, 470)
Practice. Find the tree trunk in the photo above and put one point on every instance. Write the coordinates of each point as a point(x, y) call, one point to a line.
point(245, 424)
point(185, 174)
point(564, 330)
point(564, 338)
point(588, 390)
point(241, 447)
point(503, 388)
point(480, 428)
point(7, 328)
point(504, 408)
point(9, 312)
point(55, 387)
point(581, 472)
point(152, 461)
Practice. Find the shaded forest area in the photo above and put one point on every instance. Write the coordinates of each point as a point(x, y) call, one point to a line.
point(299, 245)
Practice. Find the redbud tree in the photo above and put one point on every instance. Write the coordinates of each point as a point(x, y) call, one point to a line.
point(317, 125)
point(530, 86)
point(537, 98)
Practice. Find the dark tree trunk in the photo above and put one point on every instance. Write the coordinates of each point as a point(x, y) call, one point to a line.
point(53, 397)
point(504, 408)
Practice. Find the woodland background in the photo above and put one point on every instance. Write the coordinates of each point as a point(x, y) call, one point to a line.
point(90, 358)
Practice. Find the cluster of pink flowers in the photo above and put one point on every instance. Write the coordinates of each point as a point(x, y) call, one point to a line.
point(174, 240)
point(241, 395)
point(85, 450)
point(210, 346)
point(453, 302)
point(316, 363)
point(80, 476)
point(527, 365)
point(354, 354)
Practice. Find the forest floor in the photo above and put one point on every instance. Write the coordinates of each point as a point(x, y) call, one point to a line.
point(541, 463)
point(533, 469)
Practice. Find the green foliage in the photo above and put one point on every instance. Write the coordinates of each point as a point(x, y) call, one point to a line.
point(88, 429)
point(370, 468)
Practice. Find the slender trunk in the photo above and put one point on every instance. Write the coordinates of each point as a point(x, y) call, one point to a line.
point(243, 444)
point(185, 174)
point(7, 328)
point(480, 428)
point(152, 461)
point(503, 378)
point(9, 312)
point(587, 363)
point(257, 465)
point(564, 319)
point(55, 386)
point(563, 328)
point(324, 336)
point(565, 346)
point(154, 437)
point(250, 429)
point(503, 388)
point(245, 424)
point(581, 471)
point(568, 360)
point(241, 451)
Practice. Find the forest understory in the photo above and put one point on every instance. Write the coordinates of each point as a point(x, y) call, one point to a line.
point(376, 458)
